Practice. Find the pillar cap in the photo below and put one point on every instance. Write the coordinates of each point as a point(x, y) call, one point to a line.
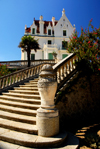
point(47, 70)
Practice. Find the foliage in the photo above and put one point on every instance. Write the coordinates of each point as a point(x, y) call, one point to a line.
point(28, 43)
point(3, 70)
point(87, 48)
point(54, 54)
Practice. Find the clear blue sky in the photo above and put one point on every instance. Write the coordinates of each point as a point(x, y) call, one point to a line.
point(14, 14)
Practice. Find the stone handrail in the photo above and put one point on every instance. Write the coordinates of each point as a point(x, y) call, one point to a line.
point(13, 78)
point(65, 67)
point(25, 62)
point(50, 45)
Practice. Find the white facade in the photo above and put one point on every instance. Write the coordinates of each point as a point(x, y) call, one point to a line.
point(50, 35)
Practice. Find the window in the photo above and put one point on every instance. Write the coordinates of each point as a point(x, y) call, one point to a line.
point(64, 45)
point(49, 42)
point(33, 31)
point(64, 32)
point(49, 31)
point(42, 54)
point(50, 56)
point(64, 55)
point(32, 56)
point(53, 33)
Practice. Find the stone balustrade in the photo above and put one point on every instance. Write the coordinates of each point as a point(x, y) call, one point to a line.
point(25, 62)
point(50, 45)
point(20, 75)
point(65, 67)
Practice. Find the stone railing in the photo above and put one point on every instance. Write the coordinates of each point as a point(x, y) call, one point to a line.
point(65, 68)
point(21, 75)
point(23, 63)
point(50, 45)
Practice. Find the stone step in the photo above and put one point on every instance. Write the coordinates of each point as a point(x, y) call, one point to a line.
point(19, 104)
point(29, 85)
point(35, 80)
point(18, 126)
point(18, 110)
point(30, 140)
point(24, 92)
point(18, 117)
point(32, 82)
point(26, 88)
point(22, 95)
point(18, 99)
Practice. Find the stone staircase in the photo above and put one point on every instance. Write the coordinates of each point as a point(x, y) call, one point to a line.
point(18, 108)
point(18, 117)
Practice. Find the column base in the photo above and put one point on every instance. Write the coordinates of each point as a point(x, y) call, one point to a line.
point(47, 122)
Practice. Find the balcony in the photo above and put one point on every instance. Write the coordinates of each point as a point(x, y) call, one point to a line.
point(50, 46)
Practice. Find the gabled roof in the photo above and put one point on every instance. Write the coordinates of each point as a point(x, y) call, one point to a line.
point(46, 24)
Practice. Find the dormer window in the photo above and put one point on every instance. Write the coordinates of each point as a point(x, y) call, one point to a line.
point(64, 32)
point(49, 31)
point(33, 30)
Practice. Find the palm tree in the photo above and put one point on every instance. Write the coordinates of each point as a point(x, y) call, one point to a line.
point(28, 43)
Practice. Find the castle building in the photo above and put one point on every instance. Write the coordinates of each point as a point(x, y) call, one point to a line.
point(53, 37)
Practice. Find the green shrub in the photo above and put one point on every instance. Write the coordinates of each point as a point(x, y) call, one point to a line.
point(87, 48)
point(3, 70)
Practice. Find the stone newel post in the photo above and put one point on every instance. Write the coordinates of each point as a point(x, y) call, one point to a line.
point(47, 114)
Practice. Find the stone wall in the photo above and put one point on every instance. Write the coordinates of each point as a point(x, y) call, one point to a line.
point(80, 102)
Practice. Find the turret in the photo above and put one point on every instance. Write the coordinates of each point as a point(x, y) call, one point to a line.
point(63, 12)
point(53, 21)
point(41, 26)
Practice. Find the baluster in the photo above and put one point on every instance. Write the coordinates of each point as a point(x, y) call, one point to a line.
point(68, 67)
point(38, 70)
point(71, 64)
point(62, 72)
point(0, 83)
point(58, 75)
point(19, 76)
point(75, 57)
point(10, 80)
point(65, 69)
point(3, 82)
point(6, 81)
point(25, 74)
point(13, 79)
point(16, 78)
point(29, 72)
point(35, 71)
point(22, 75)
point(32, 72)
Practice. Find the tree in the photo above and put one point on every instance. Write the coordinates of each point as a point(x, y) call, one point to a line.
point(28, 43)
point(3, 70)
point(87, 48)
